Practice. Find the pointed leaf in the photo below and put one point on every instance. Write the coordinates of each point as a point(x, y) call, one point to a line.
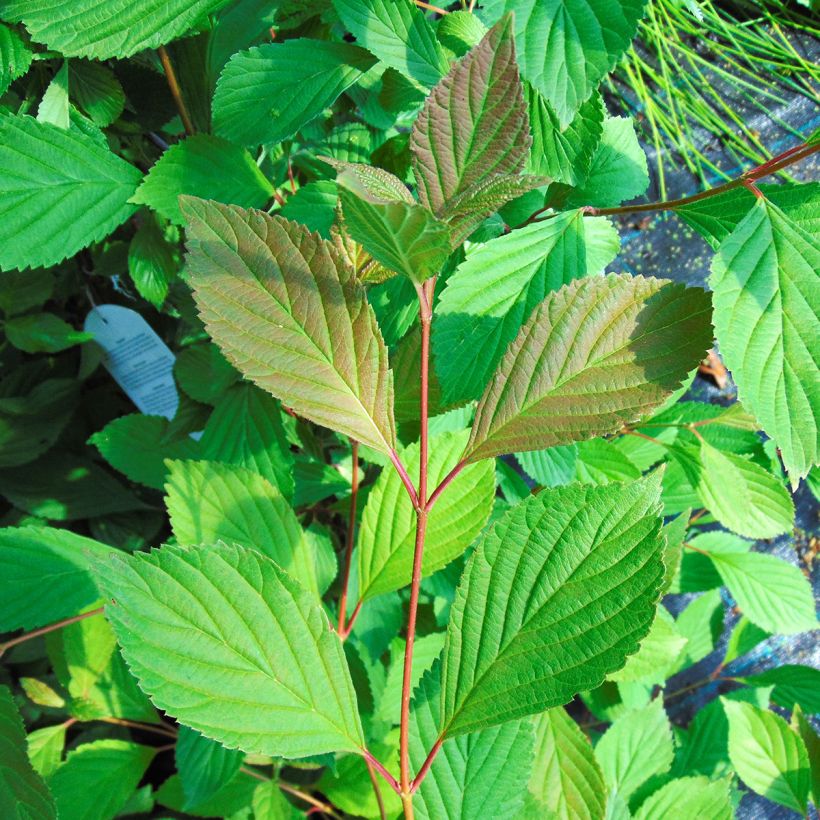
point(567, 46)
point(764, 279)
point(388, 527)
point(195, 623)
point(204, 766)
point(398, 33)
point(475, 324)
point(23, 794)
point(768, 756)
point(636, 746)
point(483, 774)
point(46, 575)
point(60, 191)
point(292, 318)
point(473, 125)
point(566, 778)
point(701, 797)
point(207, 167)
point(209, 502)
point(404, 237)
point(267, 93)
point(556, 596)
point(793, 684)
point(595, 355)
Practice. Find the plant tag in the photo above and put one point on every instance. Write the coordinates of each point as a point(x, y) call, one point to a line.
point(137, 359)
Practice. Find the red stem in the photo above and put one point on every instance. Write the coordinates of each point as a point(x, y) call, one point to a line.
point(426, 765)
point(176, 92)
point(394, 784)
point(406, 480)
point(351, 529)
point(44, 630)
point(376, 790)
point(444, 483)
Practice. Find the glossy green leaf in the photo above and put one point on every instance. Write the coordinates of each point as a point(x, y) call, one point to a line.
point(107, 769)
point(194, 623)
point(60, 191)
point(209, 502)
point(55, 107)
point(398, 33)
point(388, 527)
point(764, 279)
point(567, 46)
point(768, 756)
point(314, 205)
point(565, 154)
point(46, 575)
point(700, 796)
point(701, 625)
point(43, 333)
point(291, 317)
point(246, 430)
point(810, 738)
point(204, 766)
point(637, 746)
point(15, 57)
point(566, 778)
point(206, 167)
point(266, 94)
point(116, 29)
point(153, 262)
point(403, 236)
point(474, 325)
point(96, 90)
point(473, 124)
point(137, 446)
point(656, 656)
point(555, 597)
point(793, 684)
point(552, 467)
point(23, 794)
point(483, 774)
point(45, 748)
point(204, 373)
point(595, 355)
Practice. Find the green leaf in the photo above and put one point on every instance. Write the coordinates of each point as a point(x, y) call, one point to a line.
point(473, 125)
point(23, 290)
point(459, 31)
point(292, 318)
point(637, 746)
point(15, 57)
point(555, 597)
point(768, 756)
point(209, 502)
point(206, 167)
point(700, 796)
point(45, 748)
point(204, 766)
point(195, 623)
point(793, 684)
point(152, 262)
point(388, 526)
point(566, 778)
point(43, 333)
point(314, 205)
point(772, 593)
point(398, 33)
point(656, 656)
point(60, 191)
point(23, 794)
point(565, 154)
point(204, 373)
point(64, 487)
point(764, 279)
point(745, 636)
point(403, 236)
point(266, 94)
point(600, 462)
point(137, 446)
point(745, 497)
point(618, 169)
point(270, 804)
point(483, 774)
point(474, 325)
point(55, 107)
point(110, 770)
point(715, 217)
point(701, 624)
point(246, 430)
point(597, 354)
point(46, 575)
point(117, 29)
point(97, 91)
point(552, 467)
point(567, 46)
point(812, 742)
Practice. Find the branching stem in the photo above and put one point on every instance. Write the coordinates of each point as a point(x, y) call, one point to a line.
point(176, 92)
point(44, 630)
point(351, 530)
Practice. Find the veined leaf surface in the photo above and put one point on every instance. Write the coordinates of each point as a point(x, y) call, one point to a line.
point(292, 318)
point(555, 597)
